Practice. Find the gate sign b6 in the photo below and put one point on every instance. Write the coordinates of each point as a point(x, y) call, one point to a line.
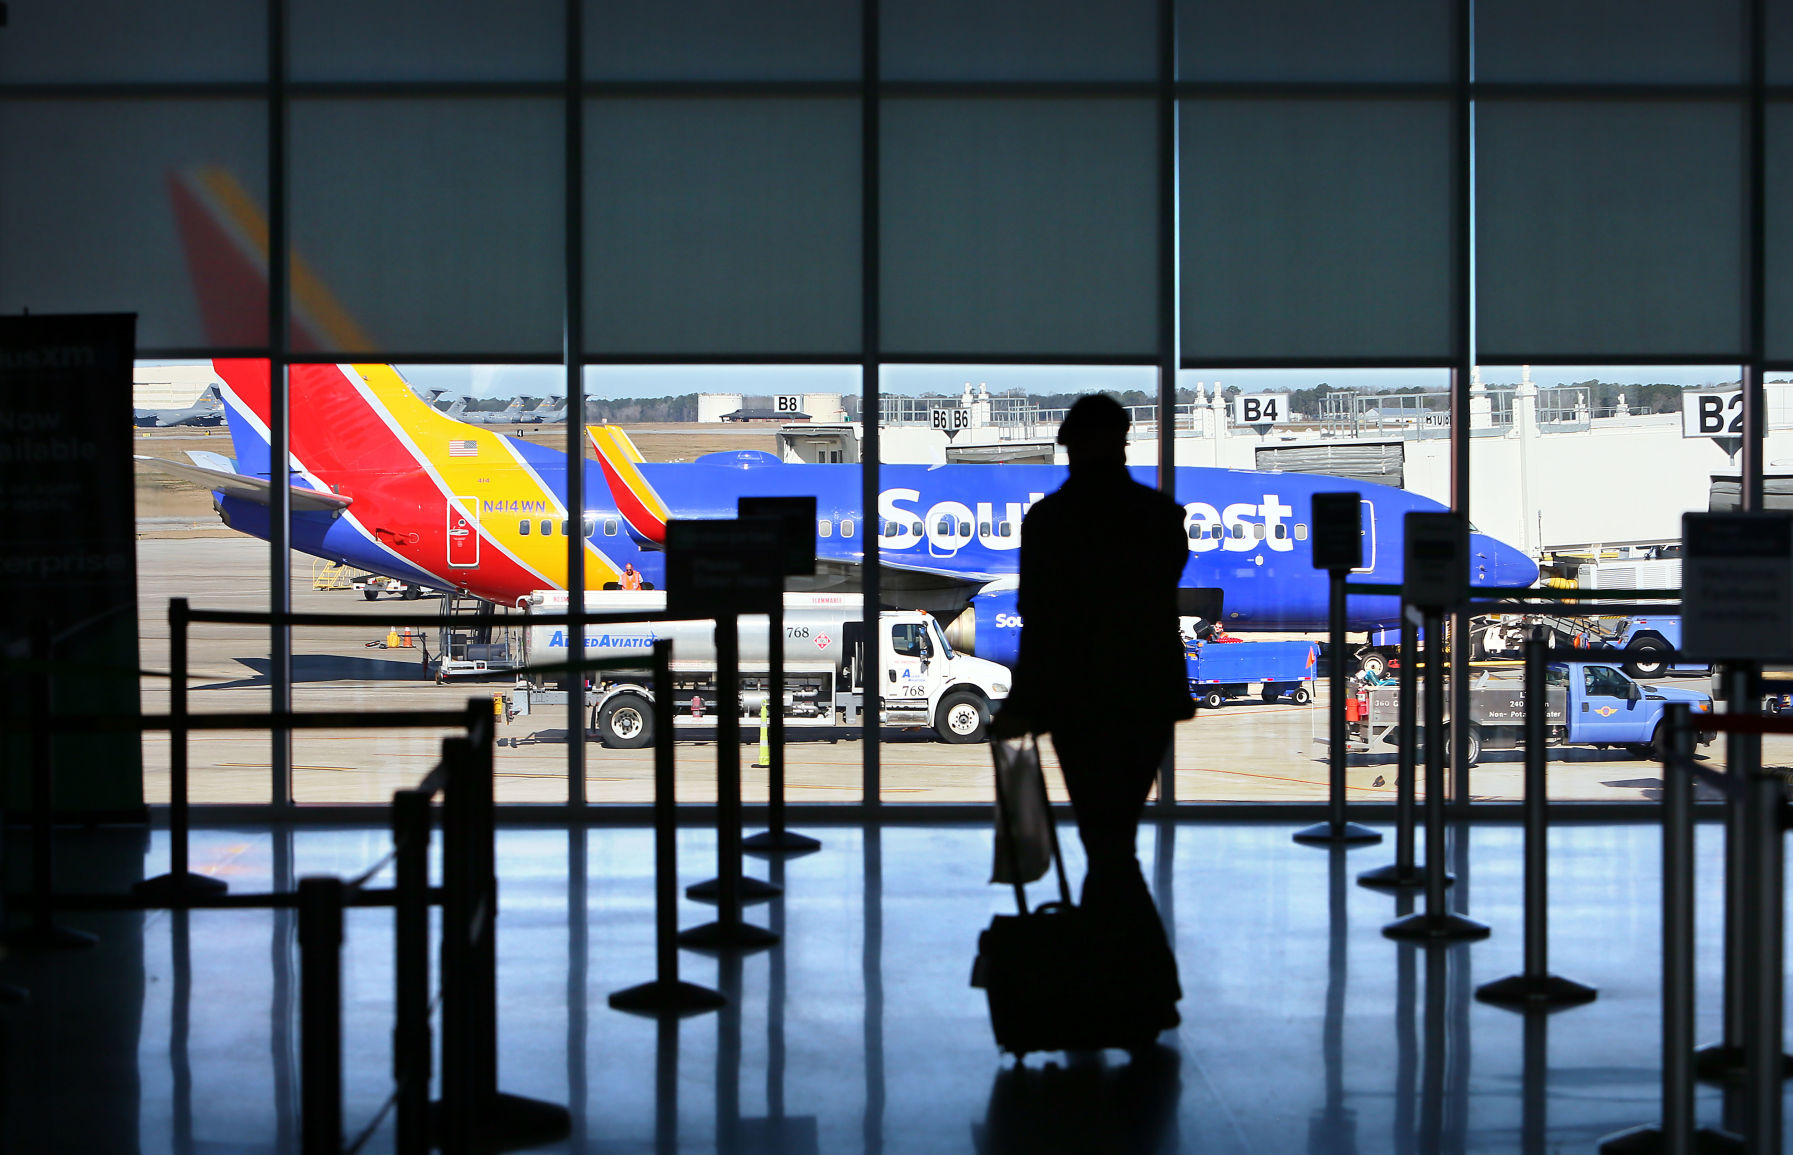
point(1712, 414)
point(1260, 408)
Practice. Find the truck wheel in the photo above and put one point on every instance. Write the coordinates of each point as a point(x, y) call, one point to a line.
point(1474, 738)
point(1271, 692)
point(371, 595)
point(1644, 663)
point(962, 717)
point(1214, 700)
point(412, 593)
point(1371, 664)
point(626, 722)
point(1302, 696)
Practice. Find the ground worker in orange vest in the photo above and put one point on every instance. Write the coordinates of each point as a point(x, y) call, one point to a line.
point(631, 579)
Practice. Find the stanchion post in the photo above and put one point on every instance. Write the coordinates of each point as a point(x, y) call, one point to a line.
point(728, 932)
point(460, 1111)
point(1436, 925)
point(1764, 914)
point(502, 1121)
point(43, 933)
point(1336, 830)
point(1403, 872)
point(180, 885)
point(1536, 988)
point(320, 1015)
point(666, 994)
point(775, 839)
point(411, 1043)
point(1676, 1134)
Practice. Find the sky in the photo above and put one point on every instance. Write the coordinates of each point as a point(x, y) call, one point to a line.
point(624, 381)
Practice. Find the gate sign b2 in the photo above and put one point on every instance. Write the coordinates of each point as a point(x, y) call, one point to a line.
point(1712, 414)
point(1260, 408)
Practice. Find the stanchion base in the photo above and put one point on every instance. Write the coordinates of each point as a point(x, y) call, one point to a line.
point(32, 938)
point(1649, 1140)
point(768, 842)
point(1429, 930)
point(174, 888)
point(1392, 877)
point(512, 1123)
point(1524, 993)
point(674, 998)
point(721, 936)
point(1720, 1062)
point(1324, 834)
point(752, 890)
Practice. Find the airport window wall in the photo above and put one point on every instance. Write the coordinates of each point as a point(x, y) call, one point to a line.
point(1474, 263)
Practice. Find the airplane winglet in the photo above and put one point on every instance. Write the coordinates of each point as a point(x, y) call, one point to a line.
point(641, 507)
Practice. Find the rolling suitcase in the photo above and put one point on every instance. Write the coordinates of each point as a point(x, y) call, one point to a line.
point(1052, 982)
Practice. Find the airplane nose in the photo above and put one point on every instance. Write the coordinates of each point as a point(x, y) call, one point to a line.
point(1497, 564)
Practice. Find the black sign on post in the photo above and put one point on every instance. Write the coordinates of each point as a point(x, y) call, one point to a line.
point(1338, 531)
point(68, 547)
point(718, 568)
point(798, 517)
point(1435, 565)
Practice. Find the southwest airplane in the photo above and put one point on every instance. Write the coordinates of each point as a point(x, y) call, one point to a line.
point(382, 481)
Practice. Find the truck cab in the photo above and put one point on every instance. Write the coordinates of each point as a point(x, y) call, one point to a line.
point(926, 682)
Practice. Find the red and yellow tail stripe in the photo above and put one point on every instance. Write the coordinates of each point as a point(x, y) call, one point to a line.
point(635, 498)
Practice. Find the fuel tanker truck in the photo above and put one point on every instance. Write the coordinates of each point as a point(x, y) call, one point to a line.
point(921, 680)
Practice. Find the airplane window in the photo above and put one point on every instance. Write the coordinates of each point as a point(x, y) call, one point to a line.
point(610, 527)
point(1257, 531)
point(916, 529)
point(1300, 531)
point(1005, 530)
point(846, 527)
point(523, 527)
point(825, 528)
point(964, 529)
point(945, 528)
point(1238, 530)
point(590, 524)
point(983, 529)
point(1282, 531)
point(1195, 531)
point(547, 528)
point(891, 529)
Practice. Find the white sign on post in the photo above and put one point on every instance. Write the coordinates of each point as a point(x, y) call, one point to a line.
point(1737, 586)
point(1712, 414)
point(951, 420)
point(1260, 408)
point(788, 403)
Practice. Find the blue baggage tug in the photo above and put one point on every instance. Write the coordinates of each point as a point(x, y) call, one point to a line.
point(1219, 671)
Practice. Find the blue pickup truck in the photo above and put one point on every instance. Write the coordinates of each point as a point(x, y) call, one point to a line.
point(1585, 705)
point(1220, 671)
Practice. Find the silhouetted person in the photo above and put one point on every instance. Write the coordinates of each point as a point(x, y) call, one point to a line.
point(1103, 672)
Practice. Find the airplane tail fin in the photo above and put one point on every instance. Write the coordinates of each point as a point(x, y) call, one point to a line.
point(636, 499)
point(225, 236)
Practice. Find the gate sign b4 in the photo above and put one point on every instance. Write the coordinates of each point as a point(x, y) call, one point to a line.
point(1712, 414)
point(1260, 408)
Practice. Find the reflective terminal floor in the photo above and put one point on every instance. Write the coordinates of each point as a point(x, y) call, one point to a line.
point(1304, 1029)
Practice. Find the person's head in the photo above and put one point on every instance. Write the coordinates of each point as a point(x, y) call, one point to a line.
point(1094, 432)
point(628, 567)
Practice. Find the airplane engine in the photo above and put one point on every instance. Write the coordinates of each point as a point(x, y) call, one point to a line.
point(988, 628)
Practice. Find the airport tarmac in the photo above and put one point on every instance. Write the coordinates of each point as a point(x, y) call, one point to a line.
point(1248, 751)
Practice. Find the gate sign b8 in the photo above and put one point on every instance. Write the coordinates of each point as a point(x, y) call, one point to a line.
point(1712, 414)
point(1260, 408)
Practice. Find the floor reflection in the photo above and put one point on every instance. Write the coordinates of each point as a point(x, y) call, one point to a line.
point(859, 1033)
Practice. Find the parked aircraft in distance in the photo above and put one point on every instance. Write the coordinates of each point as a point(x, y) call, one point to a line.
point(549, 412)
point(207, 410)
point(383, 482)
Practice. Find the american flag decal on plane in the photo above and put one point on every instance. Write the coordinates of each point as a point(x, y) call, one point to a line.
point(463, 449)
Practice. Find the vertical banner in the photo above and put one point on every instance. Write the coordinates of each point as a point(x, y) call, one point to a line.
point(68, 552)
